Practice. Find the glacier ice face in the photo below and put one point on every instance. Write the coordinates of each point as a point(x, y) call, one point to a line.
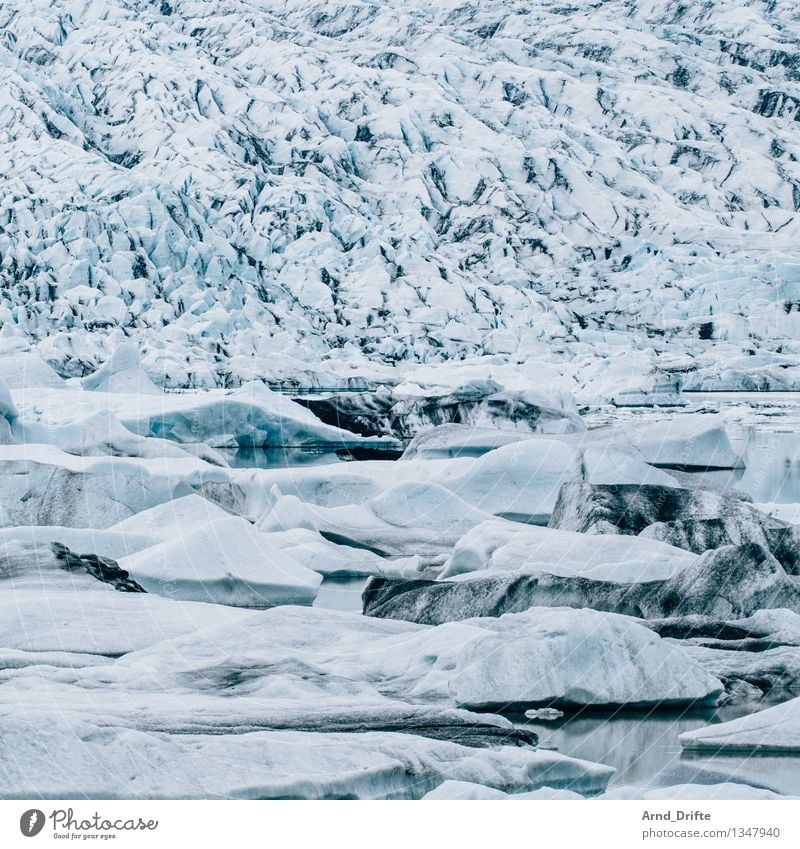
point(597, 191)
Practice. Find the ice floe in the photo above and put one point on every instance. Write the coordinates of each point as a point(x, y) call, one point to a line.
point(773, 730)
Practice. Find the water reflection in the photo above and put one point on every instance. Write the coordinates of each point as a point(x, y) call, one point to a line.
point(277, 458)
point(772, 459)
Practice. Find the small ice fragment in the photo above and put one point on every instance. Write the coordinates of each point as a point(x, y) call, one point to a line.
point(544, 713)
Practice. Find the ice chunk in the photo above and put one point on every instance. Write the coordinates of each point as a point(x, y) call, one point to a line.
point(103, 434)
point(729, 582)
point(629, 509)
point(518, 481)
point(774, 730)
point(542, 657)
point(26, 369)
point(25, 564)
point(104, 542)
point(8, 409)
point(406, 519)
point(81, 615)
point(122, 373)
point(409, 409)
point(251, 416)
point(171, 519)
point(119, 763)
point(329, 559)
point(694, 519)
point(763, 630)
point(500, 546)
point(57, 489)
point(225, 561)
point(564, 657)
point(687, 442)
point(463, 790)
point(748, 674)
point(458, 440)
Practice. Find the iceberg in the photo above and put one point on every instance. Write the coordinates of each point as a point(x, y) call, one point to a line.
point(122, 764)
point(225, 561)
point(501, 546)
point(775, 730)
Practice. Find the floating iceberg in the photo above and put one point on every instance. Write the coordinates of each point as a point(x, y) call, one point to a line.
point(774, 730)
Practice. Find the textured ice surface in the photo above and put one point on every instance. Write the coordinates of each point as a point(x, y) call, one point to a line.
point(726, 583)
point(77, 760)
point(122, 372)
point(575, 657)
point(773, 671)
point(502, 546)
point(226, 561)
point(593, 191)
point(251, 416)
point(406, 519)
point(79, 615)
point(40, 485)
point(304, 667)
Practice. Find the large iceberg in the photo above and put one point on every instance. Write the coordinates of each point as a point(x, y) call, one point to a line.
point(575, 657)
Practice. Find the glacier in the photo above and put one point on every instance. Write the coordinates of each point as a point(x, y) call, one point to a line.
point(608, 189)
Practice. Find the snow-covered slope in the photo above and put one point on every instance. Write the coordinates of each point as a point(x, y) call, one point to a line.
point(240, 185)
